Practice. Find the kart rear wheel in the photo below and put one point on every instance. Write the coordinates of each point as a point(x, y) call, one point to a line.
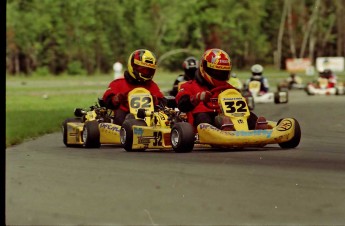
point(64, 131)
point(294, 142)
point(126, 133)
point(281, 97)
point(91, 135)
point(182, 137)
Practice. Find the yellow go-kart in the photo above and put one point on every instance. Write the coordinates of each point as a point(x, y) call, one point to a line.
point(91, 128)
point(151, 125)
point(232, 129)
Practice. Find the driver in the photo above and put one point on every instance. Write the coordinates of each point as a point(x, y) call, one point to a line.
point(330, 76)
point(257, 70)
point(141, 68)
point(190, 65)
point(214, 71)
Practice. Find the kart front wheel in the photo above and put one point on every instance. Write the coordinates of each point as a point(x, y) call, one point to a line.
point(182, 137)
point(126, 133)
point(64, 131)
point(91, 135)
point(294, 142)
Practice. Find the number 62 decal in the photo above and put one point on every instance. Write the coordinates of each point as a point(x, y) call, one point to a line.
point(140, 102)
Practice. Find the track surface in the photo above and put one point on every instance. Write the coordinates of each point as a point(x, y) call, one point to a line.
point(49, 184)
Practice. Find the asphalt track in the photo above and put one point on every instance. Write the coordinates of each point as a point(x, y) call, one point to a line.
point(49, 184)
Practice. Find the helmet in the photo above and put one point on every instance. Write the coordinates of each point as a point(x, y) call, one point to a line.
point(327, 73)
point(190, 65)
point(233, 75)
point(257, 69)
point(142, 65)
point(215, 67)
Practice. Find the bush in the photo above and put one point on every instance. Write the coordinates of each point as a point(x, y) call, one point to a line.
point(75, 68)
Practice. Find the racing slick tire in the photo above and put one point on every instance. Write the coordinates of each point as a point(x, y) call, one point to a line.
point(126, 133)
point(64, 131)
point(281, 97)
point(182, 137)
point(294, 142)
point(91, 135)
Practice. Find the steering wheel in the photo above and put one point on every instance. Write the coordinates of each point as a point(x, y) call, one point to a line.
point(213, 103)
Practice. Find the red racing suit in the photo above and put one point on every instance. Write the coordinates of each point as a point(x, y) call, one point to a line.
point(189, 89)
point(122, 86)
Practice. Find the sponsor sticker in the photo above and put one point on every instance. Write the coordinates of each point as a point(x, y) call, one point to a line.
point(284, 125)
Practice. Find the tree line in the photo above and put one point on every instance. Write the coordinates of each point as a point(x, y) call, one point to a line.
point(88, 36)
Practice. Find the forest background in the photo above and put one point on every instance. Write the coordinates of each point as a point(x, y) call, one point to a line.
point(87, 36)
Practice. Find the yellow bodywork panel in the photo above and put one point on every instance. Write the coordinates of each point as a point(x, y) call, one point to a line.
point(109, 133)
point(283, 132)
point(151, 137)
point(74, 132)
point(234, 105)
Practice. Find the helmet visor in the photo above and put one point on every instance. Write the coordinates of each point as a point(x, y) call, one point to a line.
point(221, 75)
point(144, 72)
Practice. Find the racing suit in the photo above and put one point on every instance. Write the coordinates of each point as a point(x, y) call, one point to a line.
point(264, 87)
point(124, 86)
point(199, 113)
point(196, 113)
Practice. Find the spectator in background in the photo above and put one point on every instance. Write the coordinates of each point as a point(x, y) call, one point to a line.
point(117, 70)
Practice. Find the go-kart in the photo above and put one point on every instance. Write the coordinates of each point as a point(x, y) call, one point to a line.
point(291, 83)
point(151, 125)
point(321, 87)
point(232, 128)
point(279, 97)
point(91, 128)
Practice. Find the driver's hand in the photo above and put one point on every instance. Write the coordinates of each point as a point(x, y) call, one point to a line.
point(204, 96)
point(118, 99)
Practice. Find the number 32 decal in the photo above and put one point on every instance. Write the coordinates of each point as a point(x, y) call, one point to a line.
point(235, 106)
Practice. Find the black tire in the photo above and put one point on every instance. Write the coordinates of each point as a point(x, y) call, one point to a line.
point(182, 137)
point(294, 142)
point(64, 131)
point(91, 135)
point(126, 133)
point(250, 103)
point(277, 98)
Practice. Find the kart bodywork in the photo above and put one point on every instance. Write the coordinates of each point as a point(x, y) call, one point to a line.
point(91, 128)
point(321, 87)
point(152, 126)
point(235, 132)
point(279, 97)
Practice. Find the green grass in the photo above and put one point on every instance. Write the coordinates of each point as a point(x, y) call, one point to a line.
point(29, 114)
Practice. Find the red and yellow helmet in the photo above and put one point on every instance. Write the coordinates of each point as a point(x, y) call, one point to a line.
point(142, 65)
point(215, 67)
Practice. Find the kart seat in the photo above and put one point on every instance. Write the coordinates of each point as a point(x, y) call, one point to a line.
point(261, 123)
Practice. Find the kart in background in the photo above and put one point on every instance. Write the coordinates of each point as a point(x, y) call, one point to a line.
point(291, 84)
point(232, 129)
point(91, 128)
point(321, 87)
point(253, 88)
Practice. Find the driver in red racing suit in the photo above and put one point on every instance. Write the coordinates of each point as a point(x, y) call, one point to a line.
point(214, 71)
point(141, 68)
